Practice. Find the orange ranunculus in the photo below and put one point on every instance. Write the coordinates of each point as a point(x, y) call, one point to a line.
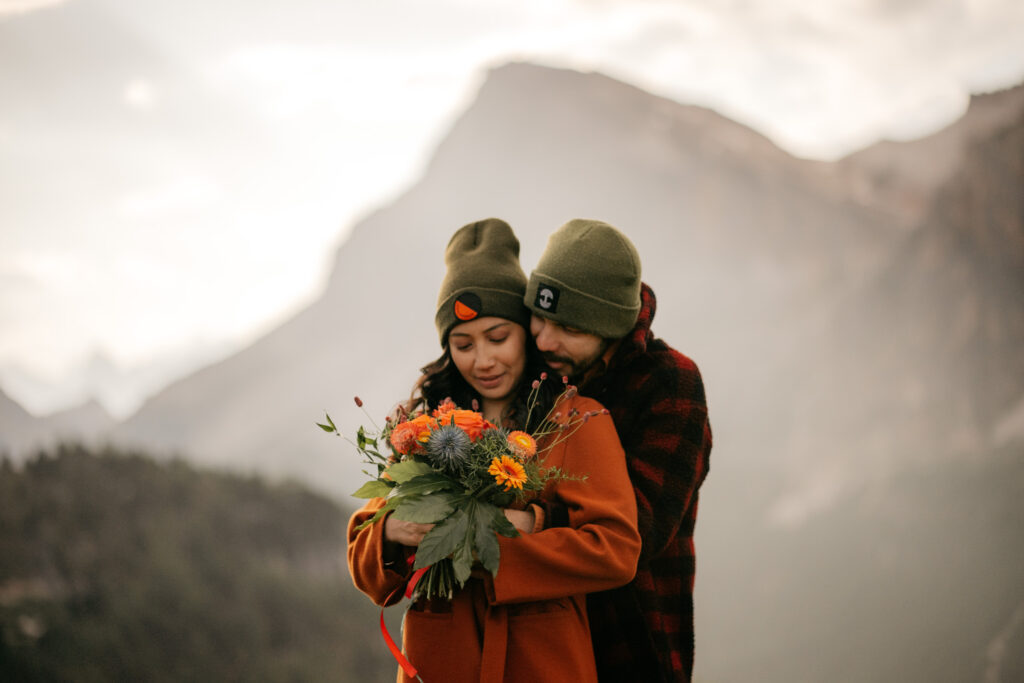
point(446, 407)
point(522, 444)
point(508, 472)
point(409, 436)
point(469, 421)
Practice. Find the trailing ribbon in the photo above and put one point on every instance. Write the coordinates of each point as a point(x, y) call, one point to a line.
point(396, 652)
point(406, 665)
point(414, 579)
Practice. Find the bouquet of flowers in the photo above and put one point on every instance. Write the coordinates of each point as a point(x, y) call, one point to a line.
point(454, 469)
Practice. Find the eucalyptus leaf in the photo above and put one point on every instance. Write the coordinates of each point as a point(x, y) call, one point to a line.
point(405, 470)
point(373, 489)
point(426, 509)
point(442, 540)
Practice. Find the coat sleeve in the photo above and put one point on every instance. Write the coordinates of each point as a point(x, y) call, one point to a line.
point(668, 440)
point(600, 547)
point(366, 558)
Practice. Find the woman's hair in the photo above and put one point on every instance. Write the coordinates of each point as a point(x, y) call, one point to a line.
point(441, 379)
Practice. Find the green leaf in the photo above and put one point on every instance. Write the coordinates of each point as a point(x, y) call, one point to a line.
point(405, 470)
point(499, 522)
point(373, 489)
point(427, 483)
point(442, 540)
point(390, 505)
point(329, 427)
point(426, 509)
point(462, 562)
point(487, 549)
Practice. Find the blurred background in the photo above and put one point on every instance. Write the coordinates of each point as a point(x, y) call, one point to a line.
point(218, 221)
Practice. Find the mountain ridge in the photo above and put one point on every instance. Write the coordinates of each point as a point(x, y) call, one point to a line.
point(758, 237)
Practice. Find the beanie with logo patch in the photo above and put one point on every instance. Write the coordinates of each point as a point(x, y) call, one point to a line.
point(588, 278)
point(483, 277)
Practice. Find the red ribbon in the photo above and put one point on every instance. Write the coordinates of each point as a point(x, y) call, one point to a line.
point(409, 669)
point(414, 579)
point(396, 652)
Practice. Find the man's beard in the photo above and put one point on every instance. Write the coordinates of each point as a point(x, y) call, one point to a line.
point(577, 369)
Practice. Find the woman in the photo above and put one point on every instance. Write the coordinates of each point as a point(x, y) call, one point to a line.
point(527, 623)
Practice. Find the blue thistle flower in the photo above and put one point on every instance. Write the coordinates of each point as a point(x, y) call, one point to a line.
point(448, 448)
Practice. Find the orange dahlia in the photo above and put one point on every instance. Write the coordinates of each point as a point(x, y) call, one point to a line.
point(412, 434)
point(522, 444)
point(508, 472)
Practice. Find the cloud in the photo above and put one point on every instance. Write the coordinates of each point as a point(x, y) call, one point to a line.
point(819, 492)
point(141, 94)
point(328, 108)
point(820, 79)
point(12, 7)
point(186, 193)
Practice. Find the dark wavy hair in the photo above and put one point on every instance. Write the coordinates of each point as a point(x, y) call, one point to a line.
point(441, 379)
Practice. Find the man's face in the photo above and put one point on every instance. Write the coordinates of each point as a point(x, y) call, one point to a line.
point(567, 351)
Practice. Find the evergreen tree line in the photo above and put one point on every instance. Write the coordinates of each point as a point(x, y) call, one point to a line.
point(114, 566)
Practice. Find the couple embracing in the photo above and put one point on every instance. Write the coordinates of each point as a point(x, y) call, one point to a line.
point(599, 583)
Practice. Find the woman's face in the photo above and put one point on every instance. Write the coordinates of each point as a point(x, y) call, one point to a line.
point(490, 353)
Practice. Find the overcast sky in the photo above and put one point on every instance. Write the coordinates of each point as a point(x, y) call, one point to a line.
point(174, 177)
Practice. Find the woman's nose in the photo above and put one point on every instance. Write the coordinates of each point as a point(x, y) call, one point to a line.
point(484, 358)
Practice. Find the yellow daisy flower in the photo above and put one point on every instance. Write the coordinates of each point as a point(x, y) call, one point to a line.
point(508, 472)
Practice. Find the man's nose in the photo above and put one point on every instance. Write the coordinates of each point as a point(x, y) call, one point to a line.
point(545, 339)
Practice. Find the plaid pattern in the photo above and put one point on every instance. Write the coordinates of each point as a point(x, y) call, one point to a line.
point(643, 631)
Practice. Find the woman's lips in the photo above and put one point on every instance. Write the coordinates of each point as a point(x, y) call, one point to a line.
point(490, 382)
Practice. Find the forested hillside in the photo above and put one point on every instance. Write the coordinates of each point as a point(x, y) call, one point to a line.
point(116, 568)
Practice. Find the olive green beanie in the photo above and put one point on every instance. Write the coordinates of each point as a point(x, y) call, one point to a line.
point(483, 277)
point(588, 278)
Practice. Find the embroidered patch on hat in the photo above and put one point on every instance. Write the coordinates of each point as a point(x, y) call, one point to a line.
point(547, 298)
point(467, 306)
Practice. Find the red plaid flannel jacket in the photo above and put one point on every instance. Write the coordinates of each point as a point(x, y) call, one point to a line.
point(643, 631)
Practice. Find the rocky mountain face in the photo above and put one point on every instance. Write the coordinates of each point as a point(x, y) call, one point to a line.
point(738, 237)
point(949, 347)
point(22, 433)
point(828, 285)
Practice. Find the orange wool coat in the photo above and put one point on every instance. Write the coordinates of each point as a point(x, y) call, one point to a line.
point(529, 622)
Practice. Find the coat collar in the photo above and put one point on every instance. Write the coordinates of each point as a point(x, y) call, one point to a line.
point(635, 342)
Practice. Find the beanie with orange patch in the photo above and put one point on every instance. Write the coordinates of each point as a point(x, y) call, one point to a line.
point(483, 277)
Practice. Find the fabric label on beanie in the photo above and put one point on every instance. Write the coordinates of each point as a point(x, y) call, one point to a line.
point(547, 298)
point(467, 306)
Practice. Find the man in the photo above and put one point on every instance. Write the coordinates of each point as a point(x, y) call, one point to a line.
point(592, 321)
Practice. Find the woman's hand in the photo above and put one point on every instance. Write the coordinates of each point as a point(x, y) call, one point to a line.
point(406, 533)
point(521, 519)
